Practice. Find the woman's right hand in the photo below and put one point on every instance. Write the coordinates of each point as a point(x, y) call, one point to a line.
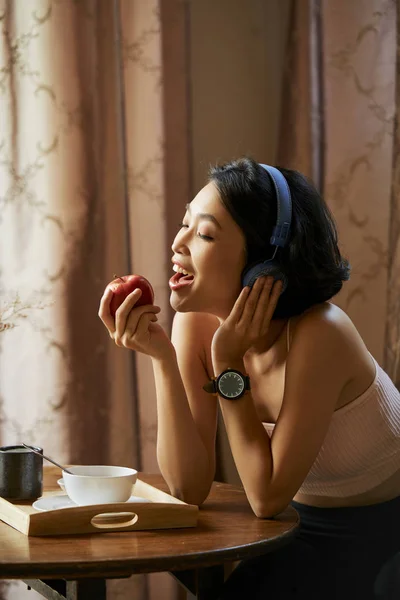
point(135, 327)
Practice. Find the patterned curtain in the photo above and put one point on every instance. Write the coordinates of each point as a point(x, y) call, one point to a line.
point(360, 59)
point(81, 166)
point(339, 92)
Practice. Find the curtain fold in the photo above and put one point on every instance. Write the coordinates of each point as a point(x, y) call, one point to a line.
point(81, 198)
point(360, 58)
point(337, 127)
point(301, 142)
point(295, 147)
point(392, 333)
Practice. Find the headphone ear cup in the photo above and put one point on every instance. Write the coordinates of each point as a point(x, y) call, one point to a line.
point(268, 267)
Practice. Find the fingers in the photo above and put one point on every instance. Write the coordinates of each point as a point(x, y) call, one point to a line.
point(127, 317)
point(143, 324)
point(123, 311)
point(140, 315)
point(137, 330)
point(261, 285)
point(238, 307)
point(266, 287)
point(104, 310)
point(262, 302)
point(273, 301)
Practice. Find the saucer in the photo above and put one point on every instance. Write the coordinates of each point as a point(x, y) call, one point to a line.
point(63, 501)
point(53, 503)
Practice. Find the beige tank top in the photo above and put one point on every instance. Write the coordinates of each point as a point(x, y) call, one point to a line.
point(362, 446)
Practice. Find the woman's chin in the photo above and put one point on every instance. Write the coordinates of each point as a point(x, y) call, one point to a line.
point(186, 300)
point(179, 303)
point(182, 302)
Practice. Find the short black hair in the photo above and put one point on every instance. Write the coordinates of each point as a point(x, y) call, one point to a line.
point(311, 259)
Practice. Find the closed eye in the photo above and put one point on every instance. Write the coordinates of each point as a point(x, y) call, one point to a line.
point(202, 236)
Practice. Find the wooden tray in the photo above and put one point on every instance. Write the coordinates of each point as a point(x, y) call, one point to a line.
point(164, 512)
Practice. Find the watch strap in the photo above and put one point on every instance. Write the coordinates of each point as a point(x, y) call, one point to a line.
point(211, 386)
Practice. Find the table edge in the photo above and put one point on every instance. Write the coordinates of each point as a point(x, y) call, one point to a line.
point(126, 567)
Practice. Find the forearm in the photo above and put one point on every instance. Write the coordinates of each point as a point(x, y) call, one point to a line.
point(249, 442)
point(181, 453)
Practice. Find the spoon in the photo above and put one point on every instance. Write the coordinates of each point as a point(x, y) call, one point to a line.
point(49, 459)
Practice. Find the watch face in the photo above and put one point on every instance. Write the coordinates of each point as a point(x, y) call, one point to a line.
point(231, 384)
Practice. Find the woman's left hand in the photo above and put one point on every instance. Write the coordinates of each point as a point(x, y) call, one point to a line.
point(248, 321)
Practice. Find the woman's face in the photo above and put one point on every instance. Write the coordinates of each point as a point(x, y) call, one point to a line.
point(216, 260)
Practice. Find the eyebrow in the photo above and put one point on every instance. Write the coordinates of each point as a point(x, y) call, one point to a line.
point(205, 217)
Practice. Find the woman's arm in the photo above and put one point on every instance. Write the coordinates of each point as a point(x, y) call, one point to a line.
point(272, 470)
point(187, 416)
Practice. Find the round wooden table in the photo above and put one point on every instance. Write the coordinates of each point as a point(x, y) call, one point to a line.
point(227, 531)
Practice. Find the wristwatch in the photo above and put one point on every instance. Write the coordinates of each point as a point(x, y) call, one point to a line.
point(230, 384)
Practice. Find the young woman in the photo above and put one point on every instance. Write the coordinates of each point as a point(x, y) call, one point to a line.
point(311, 417)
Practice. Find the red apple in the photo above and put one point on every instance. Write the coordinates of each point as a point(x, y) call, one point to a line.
point(123, 286)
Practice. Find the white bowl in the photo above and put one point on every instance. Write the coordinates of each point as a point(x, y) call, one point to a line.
point(96, 484)
point(61, 484)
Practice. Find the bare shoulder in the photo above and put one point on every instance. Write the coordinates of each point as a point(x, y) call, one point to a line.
point(324, 313)
point(327, 320)
point(194, 331)
point(326, 325)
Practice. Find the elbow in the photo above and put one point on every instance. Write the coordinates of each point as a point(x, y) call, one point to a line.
point(195, 497)
point(269, 509)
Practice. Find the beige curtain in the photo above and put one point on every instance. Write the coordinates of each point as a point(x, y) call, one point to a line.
point(360, 66)
point(341, 81)
point(294, 145)
point(103, 127)
point(392, 339)
point(81, 198)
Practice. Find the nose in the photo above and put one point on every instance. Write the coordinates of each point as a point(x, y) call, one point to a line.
point(178, 245)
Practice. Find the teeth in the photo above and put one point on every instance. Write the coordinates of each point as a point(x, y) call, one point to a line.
point(180, 270)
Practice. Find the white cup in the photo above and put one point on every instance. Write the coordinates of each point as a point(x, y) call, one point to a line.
point(97, 484)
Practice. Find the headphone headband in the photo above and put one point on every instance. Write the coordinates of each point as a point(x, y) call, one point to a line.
point(280, 233)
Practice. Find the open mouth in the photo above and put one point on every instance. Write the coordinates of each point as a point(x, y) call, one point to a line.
point(180, 280)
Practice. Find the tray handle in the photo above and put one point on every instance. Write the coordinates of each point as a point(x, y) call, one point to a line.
point(112, 520)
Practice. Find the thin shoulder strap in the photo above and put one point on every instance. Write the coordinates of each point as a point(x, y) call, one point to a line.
point(288, 334)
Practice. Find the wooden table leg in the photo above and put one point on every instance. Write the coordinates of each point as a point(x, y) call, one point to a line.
point(203, 584)
point(59, 589)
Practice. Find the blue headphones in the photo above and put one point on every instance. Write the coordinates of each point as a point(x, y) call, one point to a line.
point(280, 233)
